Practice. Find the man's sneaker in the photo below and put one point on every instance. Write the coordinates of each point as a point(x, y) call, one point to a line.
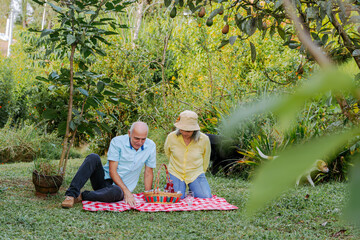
point(68, 202)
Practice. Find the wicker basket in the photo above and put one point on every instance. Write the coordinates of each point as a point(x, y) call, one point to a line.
point(157, 196)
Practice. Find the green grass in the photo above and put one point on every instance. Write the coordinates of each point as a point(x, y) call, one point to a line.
point(25, 216)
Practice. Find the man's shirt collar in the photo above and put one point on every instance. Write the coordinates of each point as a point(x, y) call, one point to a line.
point(131, 147)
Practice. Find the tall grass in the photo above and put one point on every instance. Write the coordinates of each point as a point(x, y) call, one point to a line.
point(26, 142)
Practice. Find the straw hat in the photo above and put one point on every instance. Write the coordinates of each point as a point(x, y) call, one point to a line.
point(187, 121)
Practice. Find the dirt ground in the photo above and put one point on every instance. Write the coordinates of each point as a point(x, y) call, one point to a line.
point(3, 47)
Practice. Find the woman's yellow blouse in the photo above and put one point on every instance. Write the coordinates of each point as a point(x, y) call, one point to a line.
point(187, 162)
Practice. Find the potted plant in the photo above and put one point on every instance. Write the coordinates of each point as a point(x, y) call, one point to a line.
point(46, 178)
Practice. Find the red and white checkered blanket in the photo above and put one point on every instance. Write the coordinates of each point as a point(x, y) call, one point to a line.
point(214, 203)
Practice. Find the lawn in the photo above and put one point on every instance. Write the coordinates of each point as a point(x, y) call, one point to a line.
point(292, 216)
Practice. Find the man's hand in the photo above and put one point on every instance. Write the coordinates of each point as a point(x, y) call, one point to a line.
point(129, 198)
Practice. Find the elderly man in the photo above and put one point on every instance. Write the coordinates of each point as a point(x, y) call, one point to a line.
point(119, 176)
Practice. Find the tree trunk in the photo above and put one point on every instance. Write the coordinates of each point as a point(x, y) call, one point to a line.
point(24, 13)
point(43, 17)
point(319, 56)
point(345, 37)
point(162, 65)
point(63, 157)
point(138, 19)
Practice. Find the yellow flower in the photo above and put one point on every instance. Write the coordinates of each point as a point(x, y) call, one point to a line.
point(173, 78)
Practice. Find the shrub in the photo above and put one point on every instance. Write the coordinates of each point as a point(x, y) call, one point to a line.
point(25, 142)
point(6, 87)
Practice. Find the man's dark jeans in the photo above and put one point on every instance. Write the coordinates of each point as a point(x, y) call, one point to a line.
point(104, 190)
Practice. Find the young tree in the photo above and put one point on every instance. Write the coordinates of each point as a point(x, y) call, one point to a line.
point(77, 39)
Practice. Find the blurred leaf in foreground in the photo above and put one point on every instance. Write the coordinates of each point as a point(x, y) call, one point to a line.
point(280, 174)
point(287, 107)
point(352, 211)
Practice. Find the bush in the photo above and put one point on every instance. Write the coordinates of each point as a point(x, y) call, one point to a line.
point(25, 142)
point(6, 86)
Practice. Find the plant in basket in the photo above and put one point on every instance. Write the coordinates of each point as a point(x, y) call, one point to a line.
point(165, 196)
point(45, 177)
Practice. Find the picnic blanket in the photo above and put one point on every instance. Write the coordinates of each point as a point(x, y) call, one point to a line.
point(214, 203)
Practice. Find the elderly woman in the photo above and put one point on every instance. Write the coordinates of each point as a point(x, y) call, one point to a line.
point(188, 151)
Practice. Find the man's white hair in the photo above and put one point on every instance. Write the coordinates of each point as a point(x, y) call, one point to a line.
point(136, 123)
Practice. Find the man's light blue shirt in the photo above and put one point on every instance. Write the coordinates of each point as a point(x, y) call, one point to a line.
point(130, 160)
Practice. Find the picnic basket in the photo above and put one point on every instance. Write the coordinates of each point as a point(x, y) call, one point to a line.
point(157, 196)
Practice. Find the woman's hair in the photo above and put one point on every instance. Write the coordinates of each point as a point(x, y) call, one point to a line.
point(195, 136)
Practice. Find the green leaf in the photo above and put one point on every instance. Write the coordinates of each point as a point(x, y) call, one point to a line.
point(114, 117)
point(253, 52)
point(62, 128)
point(46, 32)
point(191, 6)
point(116, 85)
point(250, 26)
point(110, 33)
point(100, 113)
point(315, 36)
point(87, 52)
point(119, 8)
point(92, 102)
point(56, 8)
point(50, 114)
point(53, 76)
point(167, 3)
point(83, 91)
point(113, 100)
point(90, 12)
point(39, 2)
point(108, 93)
point(278, 4)
point(329, 9)
point(100, 52)
point(102, 40)
point(75, 111)
point(42, 79)
point(100, 86)
point(281, 33)
point(173, 12)
point(352, 210)
point(311, 12)
point(106, 80)
point(105, 127)
point(272, 30)
point(223, 43)
point(232, 40)
point(324, 38)
point(276, 176)
point(356, 53)
point(123, 100)
point(109, 6)
point(72, 125)
point(97, 130)
point(216, 12)
point(105, 19)
point(70, 39)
